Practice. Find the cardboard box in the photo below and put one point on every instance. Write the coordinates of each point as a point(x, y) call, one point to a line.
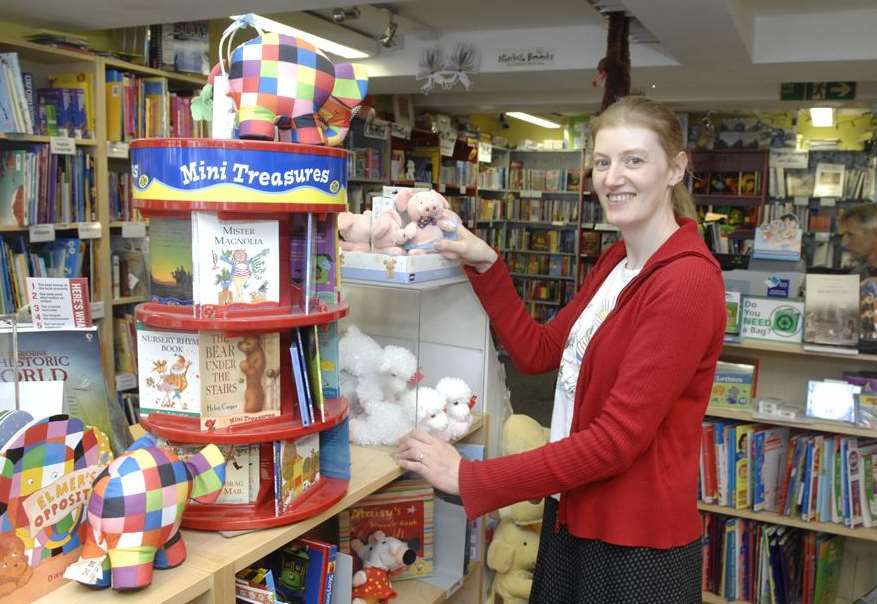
point(396, 269)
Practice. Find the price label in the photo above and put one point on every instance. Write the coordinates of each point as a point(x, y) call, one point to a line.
point(89, 230)
point(446, 145)
point(125, 381)
point(42, 232)
point(62, 145)
point(97, 310)
point(134, 230)
point(828, 202)
point(531, 193)
point(400, 131)
point(802, 201)
point(117, 150)
point(485, 152)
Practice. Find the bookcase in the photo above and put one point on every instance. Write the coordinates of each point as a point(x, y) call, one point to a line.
point(103, 223)
point(529, 206)
point(784, 370)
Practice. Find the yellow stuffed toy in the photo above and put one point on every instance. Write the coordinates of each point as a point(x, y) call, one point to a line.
point(523, 433)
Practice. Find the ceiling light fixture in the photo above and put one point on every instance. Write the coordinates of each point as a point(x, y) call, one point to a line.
point(389, 34)
point(526, 117)
point(323, 44)
point(822, 117)
point(340, 14)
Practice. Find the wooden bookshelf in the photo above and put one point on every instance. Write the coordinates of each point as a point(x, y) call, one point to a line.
point(39, 138)
point(795, 349)
point(814, 425)
point(129, 300)
point(865, 534)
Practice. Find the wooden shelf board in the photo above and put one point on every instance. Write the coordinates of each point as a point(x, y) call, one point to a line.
point(59, 226)
point(183, 78)
point(771, 518)
point(178, 585)
point(815, 425)
point(711, 598)
point(39, 138)
point(798, 349)
point(129, 300)
point(41, 53)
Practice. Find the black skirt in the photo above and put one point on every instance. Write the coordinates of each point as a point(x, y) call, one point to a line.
point(570, 570)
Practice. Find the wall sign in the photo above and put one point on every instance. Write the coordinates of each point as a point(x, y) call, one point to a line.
point(524, 57)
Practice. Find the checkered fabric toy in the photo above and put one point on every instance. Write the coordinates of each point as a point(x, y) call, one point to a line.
point(40, 455)
point(282, 81)
point(135, 510)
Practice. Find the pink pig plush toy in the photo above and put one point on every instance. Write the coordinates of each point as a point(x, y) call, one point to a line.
point(355, 230)
point(388, 234)
point(428, 211)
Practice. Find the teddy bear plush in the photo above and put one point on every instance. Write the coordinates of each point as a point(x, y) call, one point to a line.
point(512, 554)
point(427, 210)
point(458, 407)
point(388, 234)
point(355, 231)
point(523, 433)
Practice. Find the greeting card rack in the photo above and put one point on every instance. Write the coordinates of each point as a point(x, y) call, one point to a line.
point(175, 183)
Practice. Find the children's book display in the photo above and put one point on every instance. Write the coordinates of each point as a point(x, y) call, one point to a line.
point(245, 278)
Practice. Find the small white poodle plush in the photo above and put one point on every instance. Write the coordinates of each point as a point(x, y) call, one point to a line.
point(380, 423)
point(358, 354)
point(425, 408)
point(395, 371)
point(460, 402)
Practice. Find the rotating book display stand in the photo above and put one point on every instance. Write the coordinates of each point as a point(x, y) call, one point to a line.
point(228, 218)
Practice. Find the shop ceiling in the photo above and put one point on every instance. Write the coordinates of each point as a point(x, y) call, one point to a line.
point(716, 54)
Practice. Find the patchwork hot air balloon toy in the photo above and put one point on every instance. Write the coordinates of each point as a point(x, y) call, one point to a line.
point(135, 510)
point(277, 80)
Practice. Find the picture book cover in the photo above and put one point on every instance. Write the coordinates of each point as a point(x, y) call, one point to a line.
point(403, 510)
point(769, 446)
point(71, 356)
point(733, 386)
point(779, 239)
point(240, 378)
point(732, 304)
point(296, 469)
point(170, 260)
point(313, 263)
point(168, 372)
point(330, 376)
point(327, 276)
point(831, 310)
point(829, 180)
point(237, 261)
point(308, 570)
point(13, 203)
point(311, 351)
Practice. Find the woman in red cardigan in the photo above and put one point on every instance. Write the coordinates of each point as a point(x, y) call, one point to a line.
point(636, 350)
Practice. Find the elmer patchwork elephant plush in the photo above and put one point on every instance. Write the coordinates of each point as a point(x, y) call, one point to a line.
point(135, 510)
point(278, 80)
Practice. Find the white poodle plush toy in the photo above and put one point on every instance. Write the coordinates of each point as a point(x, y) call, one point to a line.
point(460, 402)
point(358, 355)
point(425, 408)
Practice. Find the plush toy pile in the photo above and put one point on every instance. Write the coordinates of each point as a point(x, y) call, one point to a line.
point(381, 384)
point(412, 226)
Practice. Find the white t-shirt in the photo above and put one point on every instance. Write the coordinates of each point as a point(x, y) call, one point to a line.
point(577, 343)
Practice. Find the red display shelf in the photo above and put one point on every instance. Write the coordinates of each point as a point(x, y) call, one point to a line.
point(178, 429)
point(230, 517)
point(235, 320)
point(158, 207)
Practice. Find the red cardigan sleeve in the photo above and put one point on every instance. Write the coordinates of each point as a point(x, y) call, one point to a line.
point(670, 341)
point(533, 347)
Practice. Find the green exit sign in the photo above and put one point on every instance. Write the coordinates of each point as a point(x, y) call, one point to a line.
point(817, 91)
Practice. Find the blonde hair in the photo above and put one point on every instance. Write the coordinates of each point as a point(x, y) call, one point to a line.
point(639, 111)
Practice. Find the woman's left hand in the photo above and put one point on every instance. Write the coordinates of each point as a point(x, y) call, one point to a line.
point(435, 460)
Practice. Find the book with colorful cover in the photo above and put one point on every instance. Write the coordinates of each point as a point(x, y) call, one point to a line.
point(83, 81)
point(13, 198)
point(311, 351)
point(168, 372)
point(170, 260)
point(403, 510)
point(299, 372)
point(237, 488)
point(223, 380)
point(319, 571)
point(829, 560)
point(770, 446)
point(732, 304)
point(296, 469)
point(330, 375)
point(327, 276)
point(236, 261)
point(734, 385)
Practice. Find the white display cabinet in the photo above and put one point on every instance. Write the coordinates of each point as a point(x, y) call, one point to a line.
point(443, 324)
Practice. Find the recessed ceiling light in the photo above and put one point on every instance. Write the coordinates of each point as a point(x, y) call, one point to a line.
point(822, 117)
point(654, 85)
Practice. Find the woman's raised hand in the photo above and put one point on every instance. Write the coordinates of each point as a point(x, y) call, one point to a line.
point(469, 249)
